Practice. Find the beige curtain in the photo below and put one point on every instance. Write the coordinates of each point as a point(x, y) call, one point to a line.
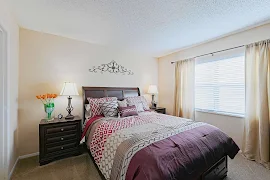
point(256, 144)
point(184, 88)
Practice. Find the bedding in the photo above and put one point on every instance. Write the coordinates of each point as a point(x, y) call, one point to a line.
point(155, 146)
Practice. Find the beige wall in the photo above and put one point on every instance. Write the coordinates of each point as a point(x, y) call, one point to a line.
point(231, 125)
point(46, 61)
point(12, 30)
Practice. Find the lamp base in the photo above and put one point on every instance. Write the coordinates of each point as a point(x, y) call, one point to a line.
point(69, 116)
point(69, 109)
point(153, 104)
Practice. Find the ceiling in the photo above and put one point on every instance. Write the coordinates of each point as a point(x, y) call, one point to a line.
point(155, 27)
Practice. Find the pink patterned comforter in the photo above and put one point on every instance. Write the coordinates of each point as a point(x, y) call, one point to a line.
point(120, 146)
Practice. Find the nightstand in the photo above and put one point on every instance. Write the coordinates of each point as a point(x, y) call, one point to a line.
point(59, 138)
point(160, 110)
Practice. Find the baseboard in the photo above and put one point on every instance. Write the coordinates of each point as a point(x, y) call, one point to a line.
point(13, 168)
point(29, 155)
point(21, 157)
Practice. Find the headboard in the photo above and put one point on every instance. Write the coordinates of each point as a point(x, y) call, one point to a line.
point(99, 92)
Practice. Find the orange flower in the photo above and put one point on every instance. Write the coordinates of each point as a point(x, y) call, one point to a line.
point(44, 96)
point(48, 96)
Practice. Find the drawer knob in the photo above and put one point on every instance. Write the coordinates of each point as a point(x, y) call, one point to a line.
point(62, 129)
point(62, 139)
point(62, 148)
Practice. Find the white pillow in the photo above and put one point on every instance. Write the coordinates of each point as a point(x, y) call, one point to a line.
point(138, 99)
point(139, 106)
point(87, 114)
point(87, 111)
point(122, 103)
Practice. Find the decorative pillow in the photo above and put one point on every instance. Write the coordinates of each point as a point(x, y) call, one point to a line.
point(87, 111)
point(87, 114)
point(94, 104)
point(139, 106)
point(109, 108)
point(122, 103)
point(138, 99)
point(128, 111)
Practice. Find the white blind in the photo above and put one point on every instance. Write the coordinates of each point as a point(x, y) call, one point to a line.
point(220, 86)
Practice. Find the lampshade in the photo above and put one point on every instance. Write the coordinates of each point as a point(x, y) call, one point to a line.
point(152, 89)
point(69, 89)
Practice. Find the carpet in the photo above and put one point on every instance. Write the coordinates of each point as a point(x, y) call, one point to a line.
point(82, 168)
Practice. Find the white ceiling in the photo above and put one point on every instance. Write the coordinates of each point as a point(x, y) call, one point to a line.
point(156, 27)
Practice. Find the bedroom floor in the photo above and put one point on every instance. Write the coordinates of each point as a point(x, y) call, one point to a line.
point(82, 167)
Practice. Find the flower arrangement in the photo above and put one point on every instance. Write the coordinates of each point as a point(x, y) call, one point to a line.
point(48, 102)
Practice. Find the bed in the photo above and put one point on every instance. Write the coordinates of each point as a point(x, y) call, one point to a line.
point(154, 146)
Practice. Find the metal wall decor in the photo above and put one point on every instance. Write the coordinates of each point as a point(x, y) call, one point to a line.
point(111, 67)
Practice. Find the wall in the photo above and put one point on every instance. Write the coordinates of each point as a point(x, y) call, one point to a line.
point(46, 61)
point(12, 30)
point(231, 125)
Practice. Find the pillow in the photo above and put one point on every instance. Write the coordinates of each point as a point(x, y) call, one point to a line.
point(87, 111)
point(94, 104)
point(128, 111)
point(109, 108)
point(87, 114)
point(139, 106)
point(122, 103)
point(138, 99)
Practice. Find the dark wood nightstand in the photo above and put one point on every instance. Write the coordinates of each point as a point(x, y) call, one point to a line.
point(59, 138)
point(160, 110)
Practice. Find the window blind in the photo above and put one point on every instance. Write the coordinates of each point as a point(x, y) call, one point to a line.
point(220, 86)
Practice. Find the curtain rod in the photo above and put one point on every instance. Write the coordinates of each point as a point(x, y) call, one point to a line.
point(213, 52)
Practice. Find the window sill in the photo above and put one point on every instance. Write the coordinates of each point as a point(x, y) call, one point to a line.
point(220, 113)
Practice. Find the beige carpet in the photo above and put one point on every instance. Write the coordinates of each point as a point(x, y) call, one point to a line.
point(82, 168)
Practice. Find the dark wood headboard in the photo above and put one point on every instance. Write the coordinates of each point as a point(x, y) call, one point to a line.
point(98, 92)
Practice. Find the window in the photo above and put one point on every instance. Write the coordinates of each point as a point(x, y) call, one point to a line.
point(220, 86)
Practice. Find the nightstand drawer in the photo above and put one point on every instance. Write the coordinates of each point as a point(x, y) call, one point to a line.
point(60, 138)
point(63, 147)
point(52, 130)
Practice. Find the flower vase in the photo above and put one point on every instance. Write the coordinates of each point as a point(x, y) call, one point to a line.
point(49, 107)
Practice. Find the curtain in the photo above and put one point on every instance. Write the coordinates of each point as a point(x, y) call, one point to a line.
point(184, 100)
point(256, 144)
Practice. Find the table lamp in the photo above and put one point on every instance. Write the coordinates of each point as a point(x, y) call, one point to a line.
point(153, 90)
point(69, 89)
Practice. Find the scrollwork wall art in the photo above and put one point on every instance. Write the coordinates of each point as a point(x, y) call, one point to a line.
point(111, 67)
